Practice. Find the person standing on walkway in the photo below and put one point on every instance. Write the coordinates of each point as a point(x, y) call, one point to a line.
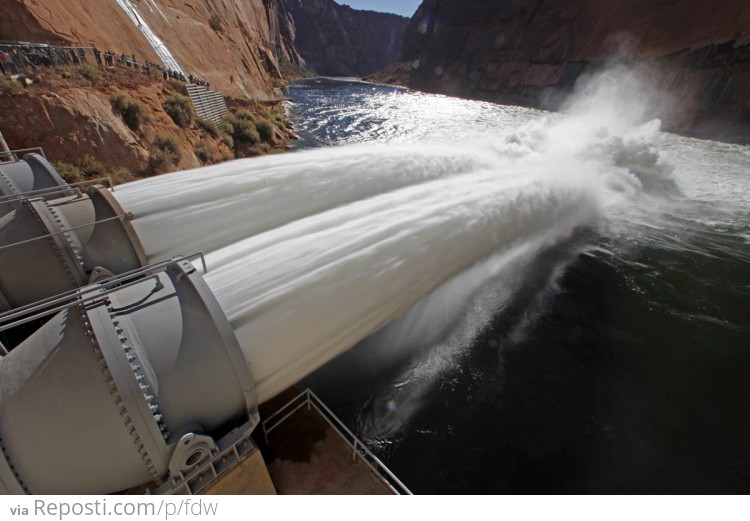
point(5, 62)
point(43, 56)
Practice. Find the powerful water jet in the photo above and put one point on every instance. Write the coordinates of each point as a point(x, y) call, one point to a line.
point(153, 361)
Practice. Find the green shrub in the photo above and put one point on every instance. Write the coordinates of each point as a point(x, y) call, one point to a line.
point(255, 150)
point(228, 140)
point(208, 126)
point(245, 132)
point(92, 168)
point(119, 174)
point(203, 151)
point(214, 21)
point(244, 115)
point(279, 120)
point(89, 167)
point(242, 130)
point(9, 87)
point(179, 109)
point(119, 100)
point(226, 127)
point(71, 173)
point(167, 153)
point(169, 143)
point(133, 112)
point(160, 162)
point(90, 72)
point(265, 130)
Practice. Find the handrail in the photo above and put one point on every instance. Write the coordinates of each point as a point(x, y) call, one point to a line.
point(14, 153)
point(88, 294)
point(63, 232)
point(42, 308)
point(10, 198)
point(39, 194)
point(358, 447)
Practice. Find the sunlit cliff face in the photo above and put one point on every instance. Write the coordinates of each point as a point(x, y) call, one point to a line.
point(238, 57)
point(531, 53)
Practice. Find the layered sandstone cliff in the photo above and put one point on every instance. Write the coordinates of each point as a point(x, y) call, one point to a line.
point(531, 51)
point(235, 44)
point(336, 40)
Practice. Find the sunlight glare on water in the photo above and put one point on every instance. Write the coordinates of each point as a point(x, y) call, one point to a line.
point(337, 115)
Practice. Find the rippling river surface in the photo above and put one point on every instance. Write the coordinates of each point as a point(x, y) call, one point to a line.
point(613, 358)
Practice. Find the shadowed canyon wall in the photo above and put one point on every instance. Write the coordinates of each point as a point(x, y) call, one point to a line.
point(336, 40)
point(533, 51)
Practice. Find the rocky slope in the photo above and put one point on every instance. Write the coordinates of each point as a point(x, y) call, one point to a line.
point(71, 119)
point(234, 44)
point(531, 51)
point(76, 121)
point(336, 40)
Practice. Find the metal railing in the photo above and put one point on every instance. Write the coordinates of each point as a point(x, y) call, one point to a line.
point(48, 306)
point(72, 188)
point(30, 56)
point(120, 217)
point(15, 153)
point(311, 400)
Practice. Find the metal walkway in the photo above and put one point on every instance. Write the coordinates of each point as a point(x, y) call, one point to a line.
point(208, 104)
point(309, 401)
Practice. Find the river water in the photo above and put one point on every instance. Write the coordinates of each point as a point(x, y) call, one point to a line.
point(613, 360)
point(523, 302)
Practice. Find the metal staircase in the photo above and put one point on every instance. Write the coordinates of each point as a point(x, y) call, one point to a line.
point(208, 104)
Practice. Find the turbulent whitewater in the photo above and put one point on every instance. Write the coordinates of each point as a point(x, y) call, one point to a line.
point(312, 251)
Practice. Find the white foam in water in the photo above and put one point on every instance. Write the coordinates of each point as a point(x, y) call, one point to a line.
point(311, 252)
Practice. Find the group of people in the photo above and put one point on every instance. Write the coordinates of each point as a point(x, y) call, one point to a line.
point(15, 59)
point(6, 63)
point(110, 58)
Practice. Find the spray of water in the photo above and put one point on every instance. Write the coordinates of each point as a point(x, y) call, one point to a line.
point(311, 252)
point(425, 346)
point(604, 131)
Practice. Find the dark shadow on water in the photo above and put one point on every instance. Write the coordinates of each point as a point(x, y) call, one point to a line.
point(602, 386)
